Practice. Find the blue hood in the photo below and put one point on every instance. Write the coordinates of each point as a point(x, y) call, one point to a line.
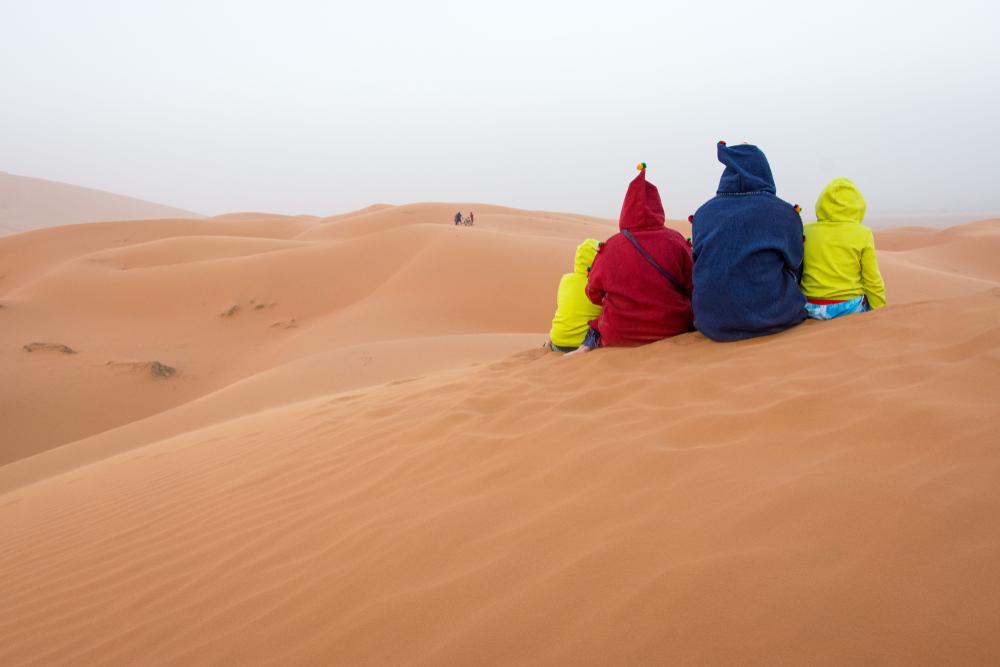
point(747, 170)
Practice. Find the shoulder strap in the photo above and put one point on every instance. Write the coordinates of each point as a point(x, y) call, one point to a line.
point(649, 258)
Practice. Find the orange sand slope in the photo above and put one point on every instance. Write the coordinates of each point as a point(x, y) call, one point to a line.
point(258, 300)
point(33, 203)
point(350, 467)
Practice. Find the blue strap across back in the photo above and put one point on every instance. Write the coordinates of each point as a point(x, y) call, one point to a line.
point(649, 258)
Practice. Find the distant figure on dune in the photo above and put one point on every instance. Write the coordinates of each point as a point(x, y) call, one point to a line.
point(573, 309)
point(458, 218)
point(641, 276)
point(841, 273)
point(472, 218)
point(747, 253)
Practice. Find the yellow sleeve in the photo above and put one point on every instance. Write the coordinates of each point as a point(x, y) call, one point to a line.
point(871, 278)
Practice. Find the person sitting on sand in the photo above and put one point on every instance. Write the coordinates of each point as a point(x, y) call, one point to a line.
point(641, 276)
point(747, 253)
point(841, 273)
point(573, 309)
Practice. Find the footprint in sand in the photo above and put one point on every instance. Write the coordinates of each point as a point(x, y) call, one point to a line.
point(157, 369)
point(253, 305)
point(48, 347)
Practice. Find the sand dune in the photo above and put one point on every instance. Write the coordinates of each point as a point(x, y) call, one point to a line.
point(924, 264)
point(33, 203)
point(222, 309)
point(363, 456)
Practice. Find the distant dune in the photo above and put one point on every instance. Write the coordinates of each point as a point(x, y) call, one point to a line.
point(32, 203)
point(298, 440)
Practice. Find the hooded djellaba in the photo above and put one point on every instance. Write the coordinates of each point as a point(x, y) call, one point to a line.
point(747, 253)
point(640, 304)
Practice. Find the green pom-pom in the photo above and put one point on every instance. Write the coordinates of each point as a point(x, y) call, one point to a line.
point(640, 166)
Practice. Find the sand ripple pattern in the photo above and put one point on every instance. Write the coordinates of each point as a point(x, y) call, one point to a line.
point(824, 496)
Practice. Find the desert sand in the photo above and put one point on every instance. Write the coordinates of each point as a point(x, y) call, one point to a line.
point(295, 440)
point(34, 203)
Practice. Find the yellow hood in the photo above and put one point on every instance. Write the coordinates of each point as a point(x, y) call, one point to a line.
point(585, 254)
point(840, 201)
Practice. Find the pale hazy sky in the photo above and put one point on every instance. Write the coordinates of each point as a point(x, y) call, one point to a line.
point(303, 106)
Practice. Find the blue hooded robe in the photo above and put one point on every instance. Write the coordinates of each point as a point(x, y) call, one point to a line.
point(747, 253)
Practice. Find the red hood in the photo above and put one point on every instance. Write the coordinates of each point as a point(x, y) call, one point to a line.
point(642, 207)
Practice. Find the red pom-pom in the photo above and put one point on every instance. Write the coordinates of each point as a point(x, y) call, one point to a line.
point(722, 142)
point(691, 218)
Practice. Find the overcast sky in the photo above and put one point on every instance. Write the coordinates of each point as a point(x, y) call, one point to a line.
point(309, 106)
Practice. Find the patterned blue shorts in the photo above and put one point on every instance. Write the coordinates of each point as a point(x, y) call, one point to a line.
point(828, 311)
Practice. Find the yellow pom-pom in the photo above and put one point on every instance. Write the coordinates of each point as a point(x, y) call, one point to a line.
point(640, 166)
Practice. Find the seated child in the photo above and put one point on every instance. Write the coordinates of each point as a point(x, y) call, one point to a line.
point(840, 272)
point(573, 308)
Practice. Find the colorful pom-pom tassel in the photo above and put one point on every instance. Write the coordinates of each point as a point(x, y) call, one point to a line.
point(722, 143)
point(640, 166)
point(798, 209)
point(691, 219)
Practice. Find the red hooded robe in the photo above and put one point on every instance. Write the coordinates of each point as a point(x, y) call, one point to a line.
point(640, 305)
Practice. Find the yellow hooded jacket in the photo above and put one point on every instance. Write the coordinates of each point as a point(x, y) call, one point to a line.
point(840, 261)
point(573, 309)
